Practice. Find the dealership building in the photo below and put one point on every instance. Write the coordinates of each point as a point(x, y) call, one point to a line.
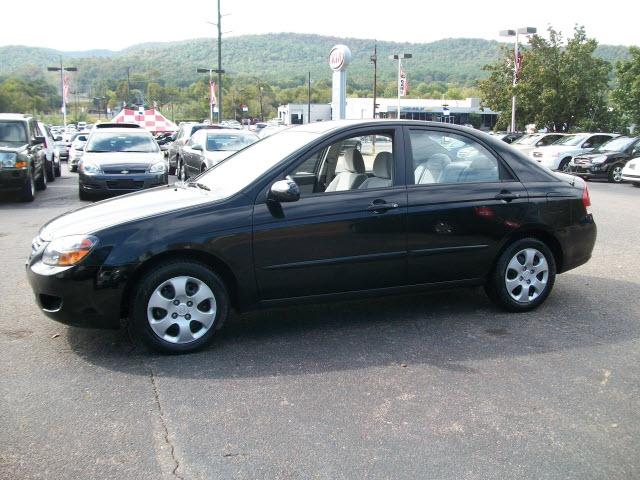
point(437, 110)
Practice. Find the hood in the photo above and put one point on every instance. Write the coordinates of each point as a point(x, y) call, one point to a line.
point(128, 208)
point(554, 150)
point(593, 154)
point(123, 158)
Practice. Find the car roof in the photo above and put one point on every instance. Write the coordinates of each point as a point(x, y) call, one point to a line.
point(123, 130)
point(227, 131)
point(14, 116)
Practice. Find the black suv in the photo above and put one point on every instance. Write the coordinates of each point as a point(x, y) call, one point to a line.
point(606, 161)
point(22, 156)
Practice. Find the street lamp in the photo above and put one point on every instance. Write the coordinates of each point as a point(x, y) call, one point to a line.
point(261, 114)
point(62, 69)
point(399, 57)
point(211, 71)
point(516, 62)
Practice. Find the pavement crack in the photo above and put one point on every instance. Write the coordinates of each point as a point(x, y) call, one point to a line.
point(165, 430)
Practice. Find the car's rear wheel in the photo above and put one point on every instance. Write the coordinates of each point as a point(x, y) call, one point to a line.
point(615, 174)
point(178, 306)
point(636, 184)
point(523, 276)
point(182, 174)
point(41, 182)
point(57, 170)
point(50, 171)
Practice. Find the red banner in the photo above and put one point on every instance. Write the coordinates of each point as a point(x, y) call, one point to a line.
point(212, 93)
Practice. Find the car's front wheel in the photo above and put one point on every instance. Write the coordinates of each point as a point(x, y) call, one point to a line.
point(523, 276)
point(178, 306)
point(28, 192)
point(615, 174)
point(41, 182)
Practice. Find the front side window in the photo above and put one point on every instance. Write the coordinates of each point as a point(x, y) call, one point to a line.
point(358, 162)
point(440, 157)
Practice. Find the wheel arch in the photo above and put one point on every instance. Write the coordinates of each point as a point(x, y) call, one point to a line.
point(209, 260)
point(539, 233)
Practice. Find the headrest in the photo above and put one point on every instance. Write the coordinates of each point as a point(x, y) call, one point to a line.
point(382, 165)
point(353, 161)
point(482, 161)
point(439, 158)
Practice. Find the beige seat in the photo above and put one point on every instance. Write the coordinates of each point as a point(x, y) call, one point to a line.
point(382, 169)
point(352, 176)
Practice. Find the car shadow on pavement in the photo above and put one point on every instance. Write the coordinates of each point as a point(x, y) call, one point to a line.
point(444, 329)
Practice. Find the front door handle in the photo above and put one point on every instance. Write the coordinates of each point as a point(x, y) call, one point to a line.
point(507, 196)
point(380, 206)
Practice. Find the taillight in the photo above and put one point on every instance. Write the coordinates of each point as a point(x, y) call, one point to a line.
point(586, 199)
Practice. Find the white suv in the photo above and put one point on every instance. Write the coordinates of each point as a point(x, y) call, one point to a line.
point(558, 155)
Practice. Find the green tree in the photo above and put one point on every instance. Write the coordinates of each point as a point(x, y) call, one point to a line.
point(626, 96)
point(560, 84)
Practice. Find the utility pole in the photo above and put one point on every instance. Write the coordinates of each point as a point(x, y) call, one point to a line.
point(374, 60)
point(399, 57)
point(128, 87)
point(219, 64)
point(261, 113)
point(309, 100)
point(63, 69)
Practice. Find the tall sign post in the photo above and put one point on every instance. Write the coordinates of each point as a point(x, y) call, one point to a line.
point(401, 88)
point(339, 59)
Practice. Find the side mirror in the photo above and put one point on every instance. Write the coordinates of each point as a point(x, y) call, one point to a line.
point(587, 145)
point(38, 141)
point(196, 146)
point(284, 191)
point(58, 138)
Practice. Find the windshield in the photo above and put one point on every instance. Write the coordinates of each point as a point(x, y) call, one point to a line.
point(229, 142)
point(615, 145)
point(528, 139)
point(571, 140)
point(103, 141)
point(13, 132)
point(241, 169)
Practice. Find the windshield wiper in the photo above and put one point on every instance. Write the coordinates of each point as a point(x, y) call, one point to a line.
point(199, 185)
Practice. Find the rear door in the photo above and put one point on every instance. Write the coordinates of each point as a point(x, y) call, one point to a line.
point(462, 202)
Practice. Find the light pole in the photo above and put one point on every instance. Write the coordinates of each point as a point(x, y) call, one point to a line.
point(210, 72)
point(399, 57)
point(516, 64)
point(261, 113)
point(374, 60)
point(62, 69)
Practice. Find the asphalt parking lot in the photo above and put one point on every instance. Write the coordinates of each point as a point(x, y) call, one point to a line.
point(424, 386)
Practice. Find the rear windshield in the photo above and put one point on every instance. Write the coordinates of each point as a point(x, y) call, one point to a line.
point(13, 132)
point(105, 141)
point(229, 142)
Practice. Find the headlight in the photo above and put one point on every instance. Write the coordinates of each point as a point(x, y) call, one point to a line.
point(8, 159)
point(157, 167)
point(89, 168)
point(599, 159)
point(66, 251)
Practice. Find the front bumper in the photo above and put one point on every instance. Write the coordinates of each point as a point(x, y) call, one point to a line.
point(590, 170)
point(12, 179)
point(77, 295)
point(119, 184)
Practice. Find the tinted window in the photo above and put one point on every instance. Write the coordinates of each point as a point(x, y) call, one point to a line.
point(229, 142)
point(450, 158)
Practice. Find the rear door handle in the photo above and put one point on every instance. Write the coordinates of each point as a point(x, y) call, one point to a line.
point(507, 196)
point(380, 207)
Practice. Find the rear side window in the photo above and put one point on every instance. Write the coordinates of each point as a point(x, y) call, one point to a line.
point(440, 157)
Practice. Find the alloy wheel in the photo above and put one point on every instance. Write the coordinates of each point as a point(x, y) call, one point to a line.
point(181, 309)
point(617, 174)
point(526, 275)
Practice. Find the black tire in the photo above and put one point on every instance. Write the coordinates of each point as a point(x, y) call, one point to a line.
point(57, 170)
point(615, 173)
point(182, 172)
point(50, 172)
point(564, 165)
point(172, 170)
point(636, 184)
point(496, 286)
point(28, 192)
point(140, 325)
point(73, 168)
point(41, 182)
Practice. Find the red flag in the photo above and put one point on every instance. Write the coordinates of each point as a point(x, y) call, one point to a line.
point(404, 83)
point(65, 89)
point(518, 65)
point(212, 93)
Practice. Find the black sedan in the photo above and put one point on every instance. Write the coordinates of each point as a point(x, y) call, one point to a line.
point(296, 217)
point(606, 161)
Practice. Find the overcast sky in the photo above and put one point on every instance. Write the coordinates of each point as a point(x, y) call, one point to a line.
point(117, 24)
